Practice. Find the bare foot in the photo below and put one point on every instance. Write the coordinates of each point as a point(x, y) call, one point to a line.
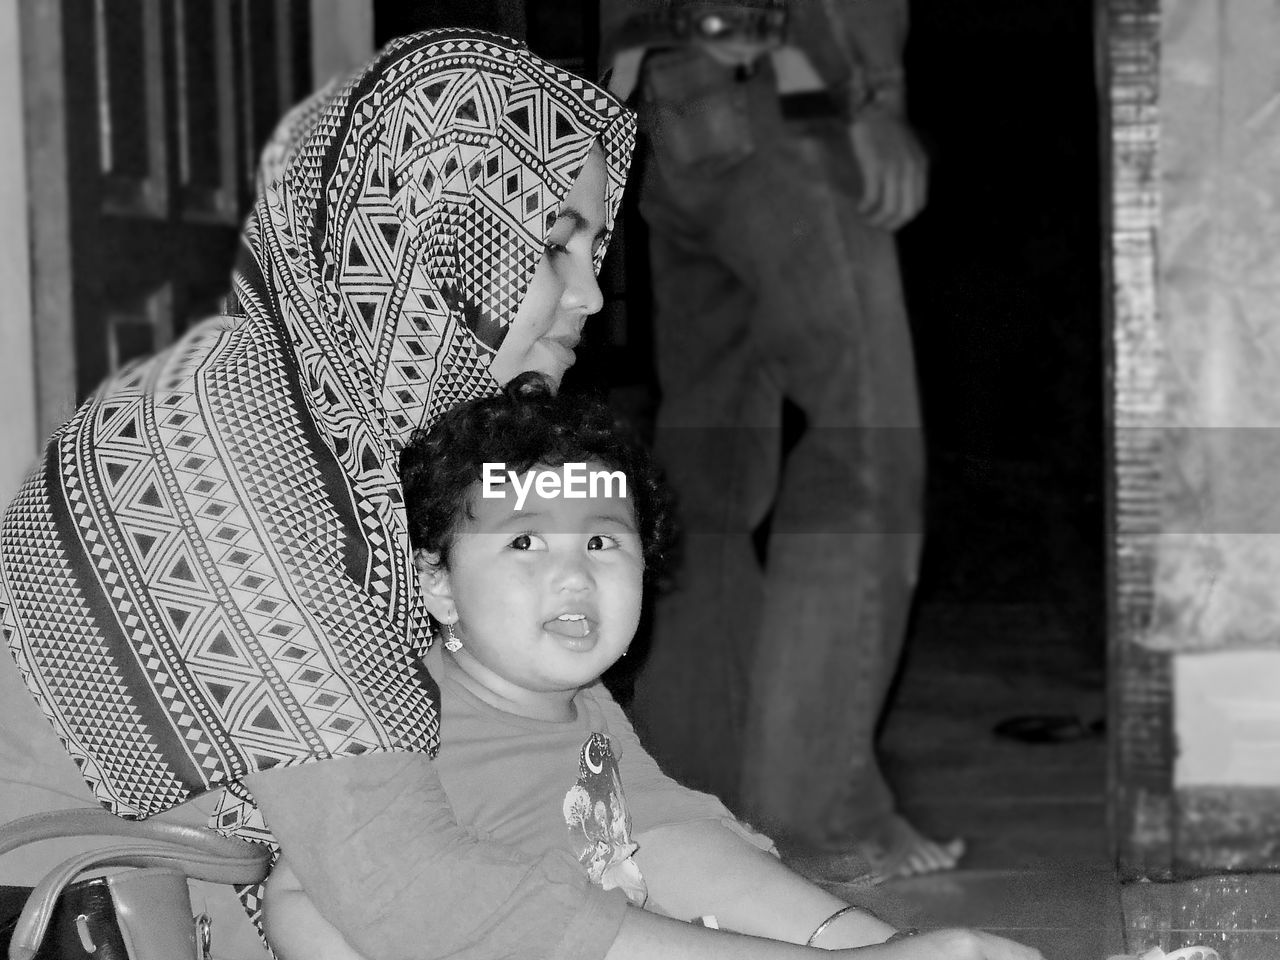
point(892, 850)
point(897, 850)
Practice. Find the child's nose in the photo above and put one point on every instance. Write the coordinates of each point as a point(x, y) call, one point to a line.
point(574, 574)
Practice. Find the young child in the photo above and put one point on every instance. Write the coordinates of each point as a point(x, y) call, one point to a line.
point(535, 523)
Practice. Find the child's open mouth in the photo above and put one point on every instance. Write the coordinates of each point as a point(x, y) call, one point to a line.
point(574, 626)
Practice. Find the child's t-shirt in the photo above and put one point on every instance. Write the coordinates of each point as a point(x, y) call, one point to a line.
point(585, 785)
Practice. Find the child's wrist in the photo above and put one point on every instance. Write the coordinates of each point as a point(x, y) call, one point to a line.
point(902, 934)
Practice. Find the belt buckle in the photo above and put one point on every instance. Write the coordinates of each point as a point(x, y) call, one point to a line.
point(767, 27)
point(712, 26)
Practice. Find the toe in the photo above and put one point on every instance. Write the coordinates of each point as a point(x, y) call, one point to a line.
point(939, 859)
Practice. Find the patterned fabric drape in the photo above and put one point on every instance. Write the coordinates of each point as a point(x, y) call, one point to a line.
point(208, 573)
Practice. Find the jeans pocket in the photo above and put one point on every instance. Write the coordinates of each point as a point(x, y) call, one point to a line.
point(697, 116)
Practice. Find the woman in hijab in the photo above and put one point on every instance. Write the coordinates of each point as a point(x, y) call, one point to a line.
point(207, 579)
point(208, 576)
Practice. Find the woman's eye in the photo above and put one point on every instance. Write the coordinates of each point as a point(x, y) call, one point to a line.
point(601, 542)
point(554, 249)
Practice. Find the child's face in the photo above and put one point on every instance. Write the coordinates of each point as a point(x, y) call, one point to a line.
point(546, 597)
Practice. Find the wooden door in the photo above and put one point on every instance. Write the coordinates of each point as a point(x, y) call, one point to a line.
point(1140, 713)
point(145, 118)
point(1193, 163)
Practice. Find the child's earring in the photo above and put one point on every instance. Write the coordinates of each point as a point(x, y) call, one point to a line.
point(452, 642)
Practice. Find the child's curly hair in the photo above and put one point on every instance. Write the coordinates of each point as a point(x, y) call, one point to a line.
point(526, 426)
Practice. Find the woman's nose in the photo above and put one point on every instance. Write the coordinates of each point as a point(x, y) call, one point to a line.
point(582, 290)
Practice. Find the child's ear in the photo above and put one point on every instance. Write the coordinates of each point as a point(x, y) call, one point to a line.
point(437, 590)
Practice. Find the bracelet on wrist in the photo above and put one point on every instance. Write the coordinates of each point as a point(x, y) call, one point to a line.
point(822, 927)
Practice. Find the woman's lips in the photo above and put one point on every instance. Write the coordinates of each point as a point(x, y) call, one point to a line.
point(561, 350)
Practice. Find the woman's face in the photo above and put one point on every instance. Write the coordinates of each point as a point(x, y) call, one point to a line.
point(564, 291)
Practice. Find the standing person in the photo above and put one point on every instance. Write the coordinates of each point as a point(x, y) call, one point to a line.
point(778, 164)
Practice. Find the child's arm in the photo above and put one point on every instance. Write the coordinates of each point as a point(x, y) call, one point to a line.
point(373, 843)
point(702, 867)
point(695, 863)
point(647, 936)
point(299, 931)
point(293, 925)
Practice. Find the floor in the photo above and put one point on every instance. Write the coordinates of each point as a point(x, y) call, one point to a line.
point(1008, 624)
point(1033, 814)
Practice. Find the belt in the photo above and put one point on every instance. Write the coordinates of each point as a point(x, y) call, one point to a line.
point(765, 25)
point(798, 105)
point(809, 105)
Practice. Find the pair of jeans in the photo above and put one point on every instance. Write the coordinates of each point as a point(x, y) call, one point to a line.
point(764, 681)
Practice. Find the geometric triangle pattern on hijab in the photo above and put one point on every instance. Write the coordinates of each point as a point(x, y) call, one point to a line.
point(208, 572)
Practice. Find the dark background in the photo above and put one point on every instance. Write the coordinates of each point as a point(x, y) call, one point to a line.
point(1003, 280)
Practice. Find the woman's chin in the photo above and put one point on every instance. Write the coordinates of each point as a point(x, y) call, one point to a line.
point(548, 367)
point(552, 369)
point(555, 376)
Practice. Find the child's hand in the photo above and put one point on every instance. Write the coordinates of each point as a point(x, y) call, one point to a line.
point(957, 944)
point(987, 946)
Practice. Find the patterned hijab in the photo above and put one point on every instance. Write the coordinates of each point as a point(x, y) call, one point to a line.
point(208, 573)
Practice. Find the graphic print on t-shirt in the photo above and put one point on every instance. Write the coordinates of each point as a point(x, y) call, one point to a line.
point(599, 826)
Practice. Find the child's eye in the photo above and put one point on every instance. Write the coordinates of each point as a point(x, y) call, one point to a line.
point(526, 541)
point(602, 542)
